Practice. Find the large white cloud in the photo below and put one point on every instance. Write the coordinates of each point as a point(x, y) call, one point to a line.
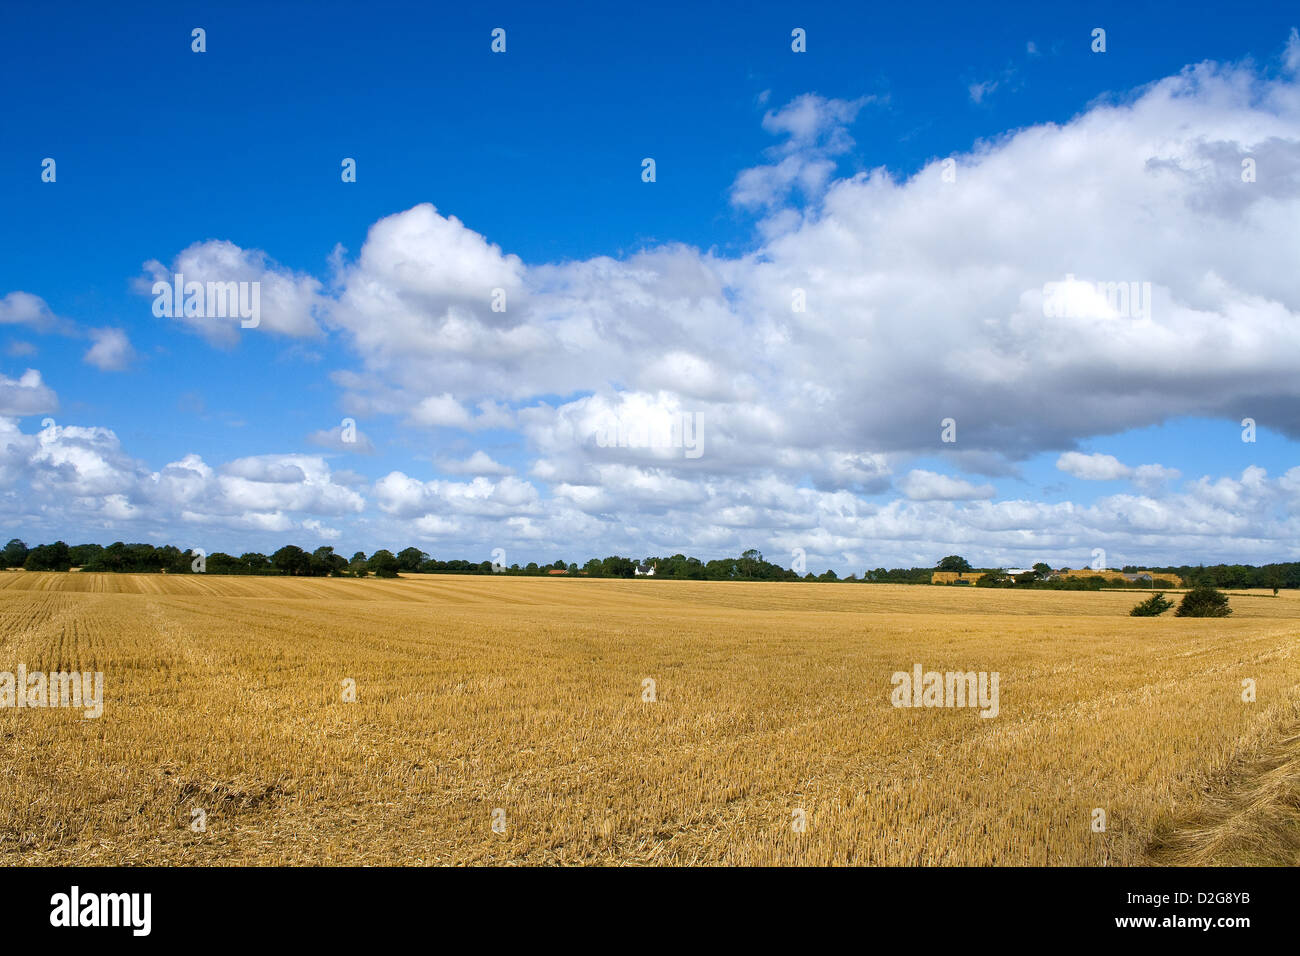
point(924, 299)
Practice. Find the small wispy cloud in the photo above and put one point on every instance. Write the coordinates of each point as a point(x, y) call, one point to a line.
point(1100, 467)
point(111, 351)
point(478, 463)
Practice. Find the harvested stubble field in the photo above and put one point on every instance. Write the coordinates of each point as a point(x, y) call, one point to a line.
point(477, 693)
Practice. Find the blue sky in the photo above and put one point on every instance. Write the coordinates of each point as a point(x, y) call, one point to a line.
point(774, 170)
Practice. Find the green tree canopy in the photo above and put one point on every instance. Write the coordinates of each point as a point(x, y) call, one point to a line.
point(15, 553)
point(410, 559)
point(292, 559)
point(49, 557)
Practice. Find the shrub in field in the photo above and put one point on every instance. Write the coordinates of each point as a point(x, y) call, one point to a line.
point(1204, 601)
point(1153, 606)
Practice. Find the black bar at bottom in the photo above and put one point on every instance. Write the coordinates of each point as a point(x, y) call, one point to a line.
point(337, 905)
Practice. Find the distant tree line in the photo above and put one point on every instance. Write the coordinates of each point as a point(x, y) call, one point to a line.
point(899, 576)
point(749, 566)
point(1284, 575)
point(1038, 579)
point(293, 560)
point(1242, 576)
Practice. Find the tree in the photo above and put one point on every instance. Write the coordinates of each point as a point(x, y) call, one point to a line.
point(954, 562)
point(1204, 601)
point(218, 562)
point(618, 567)
point(138, 557)
point(410, 559)
point(252, 562)
point(292, 559)
point(84, 554)
point(49, 557)
point(994, 579)
point(384, 564)
point(1153, 606)
point(15, 553)
point(1042, 570)
point(325, 562)
point(172, 560)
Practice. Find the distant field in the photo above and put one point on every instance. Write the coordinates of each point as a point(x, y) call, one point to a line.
point(480, 693)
